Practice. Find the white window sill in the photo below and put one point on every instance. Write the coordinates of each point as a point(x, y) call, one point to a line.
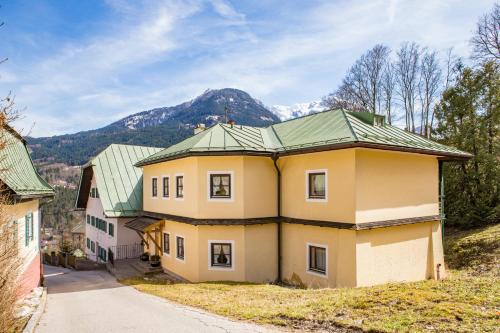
point(219, 268)
point(317, 274)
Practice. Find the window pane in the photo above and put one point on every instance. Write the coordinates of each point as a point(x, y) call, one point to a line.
point(154, 187)
point(317, 185)
point(317, 259)
point(165, 187)
point(166, 243)
point(180, 186)
point(220, 186)
point(221, 254)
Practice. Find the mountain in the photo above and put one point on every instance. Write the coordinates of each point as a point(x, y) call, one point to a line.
point(296, 110)
point(160, 127)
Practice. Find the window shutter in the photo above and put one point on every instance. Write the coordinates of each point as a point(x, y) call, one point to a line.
point(26, 232)
point(31, 226)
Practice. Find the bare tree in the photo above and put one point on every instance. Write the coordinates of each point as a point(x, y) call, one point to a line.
point(486, 40)
point(388, 84)
point(407, 67)
point(430, 78)
point(361, 88)
point(10, 261)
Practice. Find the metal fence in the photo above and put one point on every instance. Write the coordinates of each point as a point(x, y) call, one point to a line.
point(129, 251)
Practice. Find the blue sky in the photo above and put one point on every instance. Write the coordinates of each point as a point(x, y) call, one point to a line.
point(76, 65)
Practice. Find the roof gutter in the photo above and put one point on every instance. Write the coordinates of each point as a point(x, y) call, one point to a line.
point(278, 223)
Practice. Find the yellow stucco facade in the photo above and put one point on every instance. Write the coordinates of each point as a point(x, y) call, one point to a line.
point(249, 262)
point(362, 186)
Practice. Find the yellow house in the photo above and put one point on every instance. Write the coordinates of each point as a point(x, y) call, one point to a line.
point(23, 190)
point(332, 199)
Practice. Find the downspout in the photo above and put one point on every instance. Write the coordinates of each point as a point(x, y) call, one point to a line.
point(441, 197)
point(278, 173)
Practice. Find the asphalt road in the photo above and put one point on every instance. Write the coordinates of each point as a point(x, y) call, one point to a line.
point(92, 301)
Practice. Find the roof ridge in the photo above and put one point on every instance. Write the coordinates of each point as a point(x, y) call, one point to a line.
point(304, 116)
point(349, 125)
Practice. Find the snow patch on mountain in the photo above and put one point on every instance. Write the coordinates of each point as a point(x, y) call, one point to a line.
point(285, 112)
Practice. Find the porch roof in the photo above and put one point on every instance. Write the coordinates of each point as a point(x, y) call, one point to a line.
point(140, 224)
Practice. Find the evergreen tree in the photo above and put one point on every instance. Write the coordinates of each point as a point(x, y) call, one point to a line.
point(468, 117)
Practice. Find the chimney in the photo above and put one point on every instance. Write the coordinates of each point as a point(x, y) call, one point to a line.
point(199, 128)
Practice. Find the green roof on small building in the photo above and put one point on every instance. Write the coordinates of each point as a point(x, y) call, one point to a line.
point(118, 181)
point(17, 171)
point(334, 129)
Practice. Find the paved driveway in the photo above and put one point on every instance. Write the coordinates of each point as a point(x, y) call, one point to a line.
point(92, 301)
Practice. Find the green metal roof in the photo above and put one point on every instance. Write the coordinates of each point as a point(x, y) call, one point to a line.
point(325, 130)
point(17, 170)
point(118, 181)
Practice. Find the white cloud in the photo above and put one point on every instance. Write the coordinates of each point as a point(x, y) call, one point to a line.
point(162, 53)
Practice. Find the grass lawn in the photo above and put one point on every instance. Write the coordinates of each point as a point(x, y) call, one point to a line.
point(468, 300)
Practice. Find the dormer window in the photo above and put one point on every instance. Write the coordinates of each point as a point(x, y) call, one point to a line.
point(94, 193)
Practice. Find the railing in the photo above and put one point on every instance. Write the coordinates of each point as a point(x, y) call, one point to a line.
point(128, 251)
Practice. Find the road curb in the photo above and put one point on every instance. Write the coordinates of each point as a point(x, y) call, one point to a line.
point(35, 318)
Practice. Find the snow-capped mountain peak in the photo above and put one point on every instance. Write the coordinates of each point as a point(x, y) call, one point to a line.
point(285, 112)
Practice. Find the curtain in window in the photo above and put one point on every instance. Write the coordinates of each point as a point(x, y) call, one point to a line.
point(221, 254)
point(221, 185)
point(317, 185)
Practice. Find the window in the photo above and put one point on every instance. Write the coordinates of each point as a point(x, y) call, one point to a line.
point(26, 231)
point(220, 186)
point(166, 243)
point(88, 219)
point(221, 254)
point(166, 189)
point(180, 247)
point(111, 229)
point(101, 253)
point(154, 187)
point(101, 224)
point(92, 246)
point(94, 193)
point(29, 217)
point(92, 220)
point(179, 188)
point(88, 243)
point(316, 185)
point(317, 259)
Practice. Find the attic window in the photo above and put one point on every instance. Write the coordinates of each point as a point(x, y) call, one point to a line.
point(94, 193)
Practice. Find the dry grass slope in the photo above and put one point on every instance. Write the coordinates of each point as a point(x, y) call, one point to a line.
point(468, 301)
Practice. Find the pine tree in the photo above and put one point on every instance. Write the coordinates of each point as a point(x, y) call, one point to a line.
point(468, 117)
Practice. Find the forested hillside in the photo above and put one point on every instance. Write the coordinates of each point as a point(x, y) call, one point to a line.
point(160, 127)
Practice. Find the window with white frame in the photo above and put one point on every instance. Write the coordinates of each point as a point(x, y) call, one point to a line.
point(220, 185)
point(221, 254)
point(180, 247)
point(316, 185)
point(179, 186)
point(317, 259)
point(166, 243)
point(154, 187)
point(166, 188)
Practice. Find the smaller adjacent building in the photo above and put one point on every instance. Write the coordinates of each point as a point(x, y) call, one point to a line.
point(26, 191)
point(110, 192)
point(78, 236)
